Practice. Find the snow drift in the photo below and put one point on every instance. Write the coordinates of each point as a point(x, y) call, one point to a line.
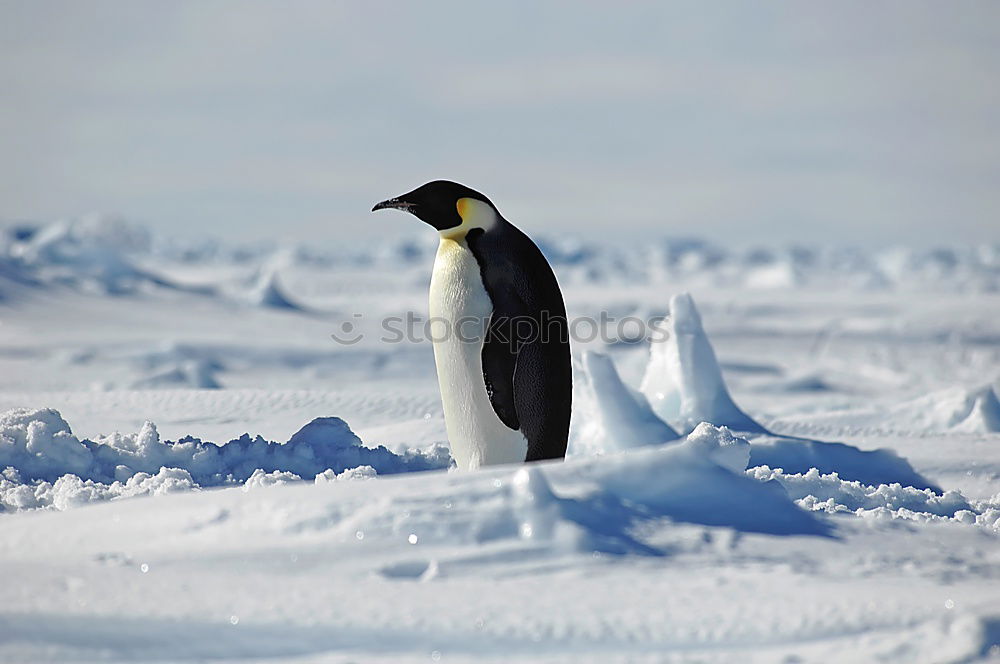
point(40, 452)
point(799, 455)
point(698, 479)
point(829, 493)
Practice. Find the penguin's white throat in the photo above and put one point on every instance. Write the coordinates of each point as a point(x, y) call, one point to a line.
point(474, 214)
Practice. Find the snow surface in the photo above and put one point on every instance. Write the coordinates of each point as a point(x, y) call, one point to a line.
point(810, 471)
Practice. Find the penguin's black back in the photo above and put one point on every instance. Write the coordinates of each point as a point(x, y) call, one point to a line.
point(526, 354)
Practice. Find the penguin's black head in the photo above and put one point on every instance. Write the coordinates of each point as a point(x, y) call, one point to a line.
point(436, 203)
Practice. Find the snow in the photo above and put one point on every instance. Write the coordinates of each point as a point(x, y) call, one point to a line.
point(847, 509)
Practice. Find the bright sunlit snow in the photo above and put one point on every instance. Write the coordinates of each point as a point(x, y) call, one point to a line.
point(211, 451)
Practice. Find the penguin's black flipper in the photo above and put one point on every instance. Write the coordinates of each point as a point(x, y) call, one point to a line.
point(499, 358)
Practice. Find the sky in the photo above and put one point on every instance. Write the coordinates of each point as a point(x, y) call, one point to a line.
point(847, 122)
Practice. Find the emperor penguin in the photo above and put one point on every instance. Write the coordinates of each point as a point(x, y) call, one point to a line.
point(503, 361)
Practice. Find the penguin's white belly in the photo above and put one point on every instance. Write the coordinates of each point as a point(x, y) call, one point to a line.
point(475, 433)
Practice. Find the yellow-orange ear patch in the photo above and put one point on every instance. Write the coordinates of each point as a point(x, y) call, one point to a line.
point(474, 214)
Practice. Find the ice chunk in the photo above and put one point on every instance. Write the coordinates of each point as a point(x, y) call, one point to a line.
point(722, 446)
point(166, 480)
point(610, 416)
point(683, 381)
point(260, 479)
point(351, 474)
point(40, 444)
point(71, 491)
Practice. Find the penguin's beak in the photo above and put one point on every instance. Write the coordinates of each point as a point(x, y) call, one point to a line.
point(394, 203)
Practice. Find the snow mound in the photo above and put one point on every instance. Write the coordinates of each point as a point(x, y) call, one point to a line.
point(683, 381)
point(975, 410)
point(267, 291)
point(43, 457)
point(333, 431)
point(611, 416)
point(197, 374)
point(173, 364)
